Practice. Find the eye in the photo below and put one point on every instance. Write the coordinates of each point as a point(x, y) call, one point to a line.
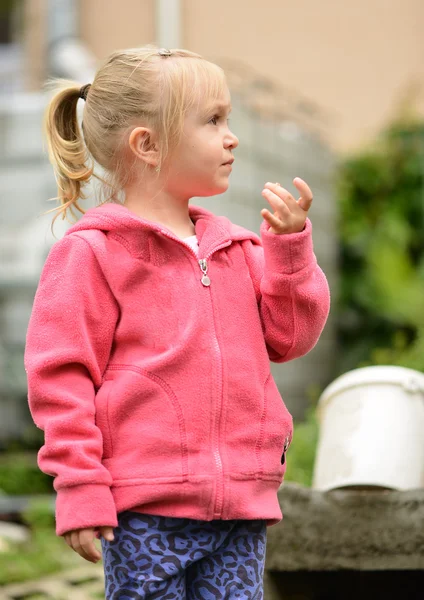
point(214, 120)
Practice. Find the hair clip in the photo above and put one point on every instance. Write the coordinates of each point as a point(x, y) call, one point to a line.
point(164, 52)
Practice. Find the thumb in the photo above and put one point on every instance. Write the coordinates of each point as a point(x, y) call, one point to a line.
point(107, 533)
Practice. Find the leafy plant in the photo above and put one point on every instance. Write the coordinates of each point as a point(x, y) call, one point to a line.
point(381, 316)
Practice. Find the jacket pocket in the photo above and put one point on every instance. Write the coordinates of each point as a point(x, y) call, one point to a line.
point(101, 415)
point(142, 424)
point(276, 430)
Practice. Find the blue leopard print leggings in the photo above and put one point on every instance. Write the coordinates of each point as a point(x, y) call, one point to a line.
point(184, 559)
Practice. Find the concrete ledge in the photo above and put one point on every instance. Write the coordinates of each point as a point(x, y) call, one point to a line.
point(361, 530)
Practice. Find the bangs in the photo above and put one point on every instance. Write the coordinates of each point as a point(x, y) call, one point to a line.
point(193, 83)
point(208, 86)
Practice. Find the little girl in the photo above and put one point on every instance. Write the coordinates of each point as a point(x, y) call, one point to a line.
point(153, 326)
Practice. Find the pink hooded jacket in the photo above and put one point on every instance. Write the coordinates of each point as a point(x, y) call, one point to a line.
point(153, 389)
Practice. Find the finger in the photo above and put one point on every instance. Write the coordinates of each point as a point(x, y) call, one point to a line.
point(77, 546)
point(67, 538)
point(273, 221)
point(87, 544)
point(107, 533)
point(282, 194)
point(276, 202)
point(306, 195)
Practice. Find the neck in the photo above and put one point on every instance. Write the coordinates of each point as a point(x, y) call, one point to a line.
point(152, 202)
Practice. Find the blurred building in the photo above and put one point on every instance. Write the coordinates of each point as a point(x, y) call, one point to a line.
point(307, 80)
point(356, 60)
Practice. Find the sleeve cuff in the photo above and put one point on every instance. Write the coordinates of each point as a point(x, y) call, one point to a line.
point(287, 253)
point(83, 506)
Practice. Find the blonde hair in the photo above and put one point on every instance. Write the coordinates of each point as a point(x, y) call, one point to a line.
point(136, 86)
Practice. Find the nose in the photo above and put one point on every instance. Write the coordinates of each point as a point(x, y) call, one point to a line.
point(231, 140)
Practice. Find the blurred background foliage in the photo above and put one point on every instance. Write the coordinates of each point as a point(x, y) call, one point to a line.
point(20, 475)
point(381, 194)
point(42, 554)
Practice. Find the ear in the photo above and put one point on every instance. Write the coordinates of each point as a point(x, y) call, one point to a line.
point(143, 142)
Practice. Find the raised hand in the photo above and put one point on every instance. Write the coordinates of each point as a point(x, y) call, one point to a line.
point(289, 215)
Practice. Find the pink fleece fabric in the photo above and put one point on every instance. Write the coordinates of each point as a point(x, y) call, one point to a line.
point(154, 391)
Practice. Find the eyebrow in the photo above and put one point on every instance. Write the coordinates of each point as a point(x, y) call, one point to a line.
point(218, 107)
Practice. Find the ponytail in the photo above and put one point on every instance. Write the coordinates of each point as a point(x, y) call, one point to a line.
point(68, 153)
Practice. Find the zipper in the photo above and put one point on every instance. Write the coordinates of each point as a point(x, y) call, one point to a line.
point(202, 262)
point(205, 280)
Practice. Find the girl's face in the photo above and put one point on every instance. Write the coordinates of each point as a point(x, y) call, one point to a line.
point(201, 164)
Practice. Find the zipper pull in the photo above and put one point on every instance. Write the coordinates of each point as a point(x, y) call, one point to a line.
point(285, 448)
point(204, 266)
point(287, 443)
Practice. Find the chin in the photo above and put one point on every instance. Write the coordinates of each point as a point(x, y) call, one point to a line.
point(223, 188)
point(215, 191)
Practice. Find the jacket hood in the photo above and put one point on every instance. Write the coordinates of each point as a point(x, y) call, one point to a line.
point(211, 230)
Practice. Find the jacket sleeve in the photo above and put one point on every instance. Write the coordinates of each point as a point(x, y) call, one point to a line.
point(68, 343)
point(291, 290)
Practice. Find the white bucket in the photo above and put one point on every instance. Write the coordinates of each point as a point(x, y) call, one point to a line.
point(372, 430)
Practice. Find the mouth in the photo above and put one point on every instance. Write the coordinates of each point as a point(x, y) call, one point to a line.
point(228, 163)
